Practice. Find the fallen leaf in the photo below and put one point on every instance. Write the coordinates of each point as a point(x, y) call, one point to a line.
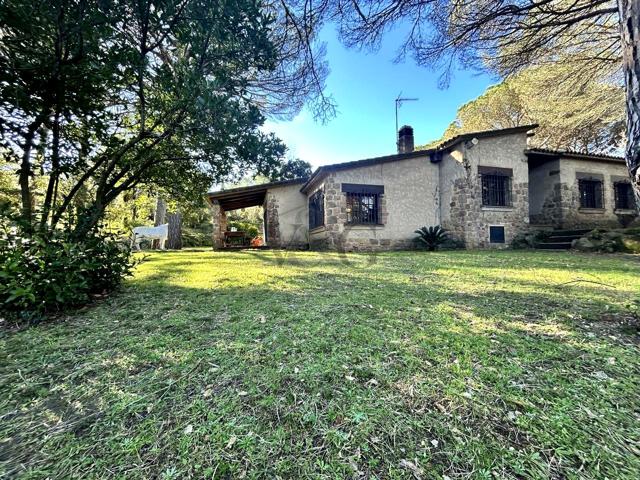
point(231, 441)
point(417, 471)
point(188, 429)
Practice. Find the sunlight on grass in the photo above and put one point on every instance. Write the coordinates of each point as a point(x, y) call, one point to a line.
point(273, 364)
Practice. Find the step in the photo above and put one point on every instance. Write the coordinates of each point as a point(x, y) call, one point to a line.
point(561, 238)
point(567, 233)
point(554, 245)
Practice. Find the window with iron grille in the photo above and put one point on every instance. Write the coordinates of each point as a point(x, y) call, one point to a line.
point(363, 208)
point(316, 209)
point(624, 196)
point(496, 189)
point(590, 193)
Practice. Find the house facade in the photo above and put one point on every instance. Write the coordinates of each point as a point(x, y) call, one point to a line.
point(484, 188)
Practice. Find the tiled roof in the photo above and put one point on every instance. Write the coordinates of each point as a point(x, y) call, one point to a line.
point(416, 153)
point(575, 154)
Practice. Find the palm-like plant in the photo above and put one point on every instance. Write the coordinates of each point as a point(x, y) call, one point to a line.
point(431, 237)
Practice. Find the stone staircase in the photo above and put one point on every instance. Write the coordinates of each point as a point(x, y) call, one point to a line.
point(561, 239)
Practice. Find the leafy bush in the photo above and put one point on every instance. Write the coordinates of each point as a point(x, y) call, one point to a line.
point(192, 237)
point(604, 241)
point(250, 229)
point(529, 239)
point(49, 273)
point(431, 237)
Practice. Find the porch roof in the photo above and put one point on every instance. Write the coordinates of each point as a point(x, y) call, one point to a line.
point(547, 154)
point(243, 197)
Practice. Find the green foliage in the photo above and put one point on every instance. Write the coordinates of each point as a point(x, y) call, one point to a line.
point(192, 237)
point(197, 78)
point(249, 228)
point(573, 112)
point(431, 237)
point(609, 241)
point(291, 169)
point(529, 239)
point(48, 273)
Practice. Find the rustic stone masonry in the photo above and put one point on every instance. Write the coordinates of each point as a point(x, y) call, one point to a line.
point(552, 208)
point(561, 209)
point(575, 217)
point(469, 221)
point(338, 235)
point(219, 219)
point(273, 221)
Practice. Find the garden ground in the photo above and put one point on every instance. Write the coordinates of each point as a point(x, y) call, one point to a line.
point(269, 364)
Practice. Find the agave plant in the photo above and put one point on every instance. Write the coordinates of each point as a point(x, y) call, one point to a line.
point(431, 237)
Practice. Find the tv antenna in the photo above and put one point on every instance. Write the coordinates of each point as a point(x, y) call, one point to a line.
point(399, 100)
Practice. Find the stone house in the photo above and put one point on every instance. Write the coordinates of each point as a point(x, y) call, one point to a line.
point(484, 188)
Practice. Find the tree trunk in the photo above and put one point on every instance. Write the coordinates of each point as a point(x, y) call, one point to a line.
point(174, 239)
point(24, 179)
point(159, 218)
point(89, 219)
point(629, 11)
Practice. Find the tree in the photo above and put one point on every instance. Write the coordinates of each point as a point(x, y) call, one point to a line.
point(291, 169)
point(159, 217)
point(174, 238)
point(98, 97)
point(507, 36)
point(585, 117)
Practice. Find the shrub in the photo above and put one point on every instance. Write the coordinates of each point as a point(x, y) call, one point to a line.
point(49, 273)
point(431, 237)
point(600, 240)
point(529, 239)
point(250, 229)
point(192, 237)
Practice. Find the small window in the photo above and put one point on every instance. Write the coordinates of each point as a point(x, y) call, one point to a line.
point(363, 208)
point(363, 203)
point(624, 196)
point(496, 234)
point(590, 193)
point(316, 209)
point(496, 189)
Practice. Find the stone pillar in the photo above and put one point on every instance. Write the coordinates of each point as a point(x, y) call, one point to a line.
point(272, 221)
point(219, 219)
point(335, 212)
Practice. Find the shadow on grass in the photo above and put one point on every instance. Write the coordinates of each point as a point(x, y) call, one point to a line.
point(318, 372)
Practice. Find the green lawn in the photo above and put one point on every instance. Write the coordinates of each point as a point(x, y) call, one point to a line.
point(313, 365)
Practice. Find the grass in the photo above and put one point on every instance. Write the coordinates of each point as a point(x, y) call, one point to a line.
point(314, 365)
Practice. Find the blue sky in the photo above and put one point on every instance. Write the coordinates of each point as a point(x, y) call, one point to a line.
point(364, 86)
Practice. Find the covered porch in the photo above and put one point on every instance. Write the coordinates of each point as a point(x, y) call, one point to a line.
point(224, 201)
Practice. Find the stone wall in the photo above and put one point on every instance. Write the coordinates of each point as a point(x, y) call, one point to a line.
point(410, 201)
point(545, 200)
point(272, 220)
point(561, 205)
point(219, 220)
point(462, 212)
point(286, 215)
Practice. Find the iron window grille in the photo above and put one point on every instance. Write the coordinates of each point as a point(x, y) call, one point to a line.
point(625, 199)
point(496, 190)
point(316, 209)
point(591, 194)
point(363, 208)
